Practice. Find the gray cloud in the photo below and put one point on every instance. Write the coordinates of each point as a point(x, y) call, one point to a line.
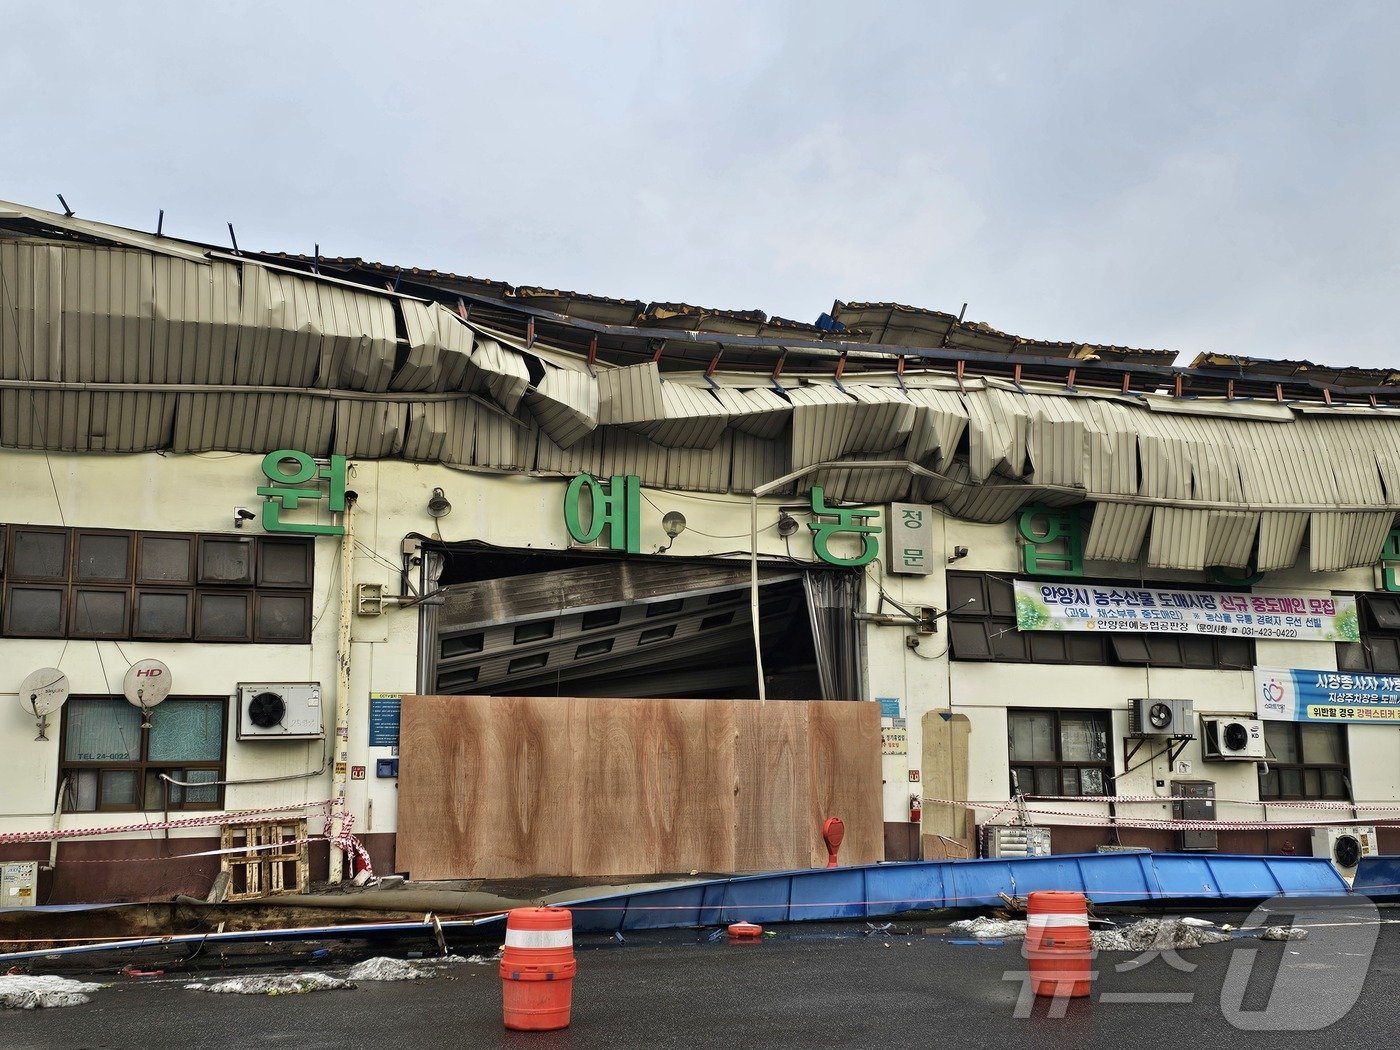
point(1191, 175)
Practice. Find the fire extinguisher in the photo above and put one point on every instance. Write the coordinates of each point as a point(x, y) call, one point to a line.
point(916, 811)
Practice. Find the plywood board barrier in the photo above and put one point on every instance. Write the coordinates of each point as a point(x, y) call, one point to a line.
point(945, 831)
point(513, 787)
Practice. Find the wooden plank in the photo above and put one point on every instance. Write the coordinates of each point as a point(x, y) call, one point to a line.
point(846, 779)
point(692, 784)
point(945, 831)
point(772, 784)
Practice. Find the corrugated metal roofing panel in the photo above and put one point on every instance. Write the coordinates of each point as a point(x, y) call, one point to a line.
point(80, 421)
point(996, 433)
point(279, 332)
point(583, 457)
point(107, 296)
point(828, 423)
point(630, 394)
point(625, 452)
point(102, 231)
point(358, 337)
point(994, 501)
point(1178, 538)
point(504, 372)
point(758, 411)
point(1056, 440)
point(441, 431)
point(31, 311)
point(756, 461)
point(864, 485)
point(1116, 532)
point(691, 417)
point(1280, 537)
point(565, 404)
point(1111, 451)
point(503, 442)
point(370, 429)
point(253, 423)
point(195, 321)
point(699, 469)
point(1345, 541)
point(1230, 538)
point(939, 423)
point(439, 350)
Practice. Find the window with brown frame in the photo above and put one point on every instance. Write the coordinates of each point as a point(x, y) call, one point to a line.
point(109, 762)
point(110, 584)
point(1305, 760)
point(982, 626)
point(1059, 752)
point(1378, 616)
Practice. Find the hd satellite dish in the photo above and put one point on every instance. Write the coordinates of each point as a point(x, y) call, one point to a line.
point(43, 693)
point(147, 683)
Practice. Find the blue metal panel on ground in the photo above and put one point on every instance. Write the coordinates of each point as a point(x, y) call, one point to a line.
point(868, 891)
point(1378, 877)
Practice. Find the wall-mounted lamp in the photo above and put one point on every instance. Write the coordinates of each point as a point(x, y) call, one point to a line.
point(958, 552)
point(673, 521)
point(438, 504)
point(787, 524)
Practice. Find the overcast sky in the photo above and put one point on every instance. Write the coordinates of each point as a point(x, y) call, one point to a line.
point(1197, 176)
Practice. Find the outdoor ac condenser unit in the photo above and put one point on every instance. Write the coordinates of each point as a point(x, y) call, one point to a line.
point(1345, 847)
point(1149, 717)
point(1010, 840)
point(279, 711)
point(1233, 739)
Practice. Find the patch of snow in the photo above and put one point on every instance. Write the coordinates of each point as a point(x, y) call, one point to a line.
point(1157, 935)
point(23, 992)
point(272, 984)
point(984, 927)
point(384, 968)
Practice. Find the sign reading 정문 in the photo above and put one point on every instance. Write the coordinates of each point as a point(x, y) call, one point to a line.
point(1296, 695)
point(1119, 608)
point(909, 541)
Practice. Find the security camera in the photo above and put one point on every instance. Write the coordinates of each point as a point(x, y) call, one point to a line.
point(240, 515)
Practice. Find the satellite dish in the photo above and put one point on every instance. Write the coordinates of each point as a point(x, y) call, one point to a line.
point(147, 683)
point(43, 692)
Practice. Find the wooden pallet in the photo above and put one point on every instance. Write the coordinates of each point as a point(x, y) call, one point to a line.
point(273, 858)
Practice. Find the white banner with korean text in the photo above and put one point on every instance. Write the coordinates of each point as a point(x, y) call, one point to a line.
point(1044, 606)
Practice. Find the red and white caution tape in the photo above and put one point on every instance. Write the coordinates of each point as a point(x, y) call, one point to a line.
point(244, 816)
point(1105, 820)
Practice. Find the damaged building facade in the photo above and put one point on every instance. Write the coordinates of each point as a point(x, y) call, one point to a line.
point(481, 580)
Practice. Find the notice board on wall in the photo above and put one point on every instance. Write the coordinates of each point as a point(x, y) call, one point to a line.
point(513, 787)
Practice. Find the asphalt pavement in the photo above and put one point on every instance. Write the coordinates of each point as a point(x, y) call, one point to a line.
point(911, 985)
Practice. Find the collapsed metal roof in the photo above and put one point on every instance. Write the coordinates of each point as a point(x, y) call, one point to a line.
point(117, 340)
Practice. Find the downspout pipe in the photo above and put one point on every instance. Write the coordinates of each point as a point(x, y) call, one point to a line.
point(341, 750)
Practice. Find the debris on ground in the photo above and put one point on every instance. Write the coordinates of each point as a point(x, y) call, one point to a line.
point(23, 992)
point(1157, 934)
point(1283, 933)
point(982, 927)
point(272, 984)
point(384, 968)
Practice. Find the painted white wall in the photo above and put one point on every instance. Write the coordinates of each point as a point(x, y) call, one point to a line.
point(199, 493)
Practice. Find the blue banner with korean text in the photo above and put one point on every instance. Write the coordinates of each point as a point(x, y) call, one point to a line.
point(1124, 607)
point(1295, 695)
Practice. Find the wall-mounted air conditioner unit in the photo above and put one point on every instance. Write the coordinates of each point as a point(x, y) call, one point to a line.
point(1345, 847)
point(1233, 739)
point(279, 711)
point(1149, 717)
point(1009, 840)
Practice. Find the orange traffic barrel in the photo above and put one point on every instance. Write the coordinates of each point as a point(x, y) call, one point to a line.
point(1058, 943)
point(537, 969)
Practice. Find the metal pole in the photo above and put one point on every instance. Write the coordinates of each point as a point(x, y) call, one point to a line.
point(753, 596)
point(341, 750)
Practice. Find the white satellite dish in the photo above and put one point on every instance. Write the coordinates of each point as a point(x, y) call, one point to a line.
point(147, 683)
point(43, 693)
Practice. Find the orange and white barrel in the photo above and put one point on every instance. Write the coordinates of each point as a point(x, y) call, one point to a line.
point(1058, 943)
point(537, 969)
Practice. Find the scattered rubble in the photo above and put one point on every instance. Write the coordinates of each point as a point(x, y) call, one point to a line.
point(273, 984)
point(23, 992)
point(1283, 933)
point(983, 927)
point(1159, 935)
